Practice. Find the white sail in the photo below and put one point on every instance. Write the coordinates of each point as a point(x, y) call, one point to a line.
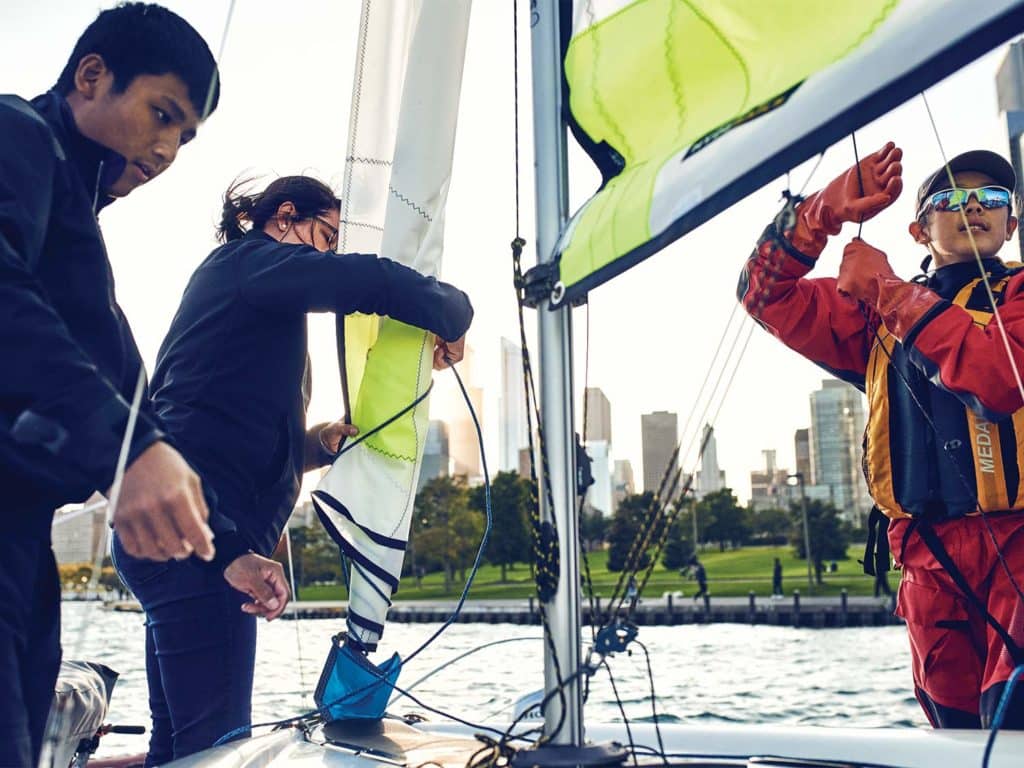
point(401, 140)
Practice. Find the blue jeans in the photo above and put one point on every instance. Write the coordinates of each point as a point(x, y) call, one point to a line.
point(29, 646)
point(200, 652)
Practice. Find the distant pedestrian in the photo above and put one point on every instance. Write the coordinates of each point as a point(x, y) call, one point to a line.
point(701, 577)
point(777, 578)
point(882, 584)
point(631, 590)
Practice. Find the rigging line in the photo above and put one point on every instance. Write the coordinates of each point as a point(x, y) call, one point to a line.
point(710, 368)
point(809, 175)
point(215, 75)
point(997, 720)
point(541, 557)
point(140, 385)
point(350, 445)
point(298, 614)
point(926, 415)
point(678, 502)
point(860, 179)
point(654, 702)
point(515, 100)
point(487, 528)
point(463, 655)
point(622, 711)
point(560, 691)
point(114, 500)
point(1003, 335)
point(659, 507)
point(657, 511)
point(318, 715)
point(745, 322)
point(635, 552)
point(587, 580)
point(963, 480)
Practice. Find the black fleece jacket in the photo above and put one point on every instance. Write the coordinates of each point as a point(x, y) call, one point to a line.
point(69, 362)
point(229, 380)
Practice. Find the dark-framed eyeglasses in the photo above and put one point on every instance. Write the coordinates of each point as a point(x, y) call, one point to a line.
point(332, 233)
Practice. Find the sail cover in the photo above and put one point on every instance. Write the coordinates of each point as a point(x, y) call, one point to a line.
point(689, 105)
point(405, 98)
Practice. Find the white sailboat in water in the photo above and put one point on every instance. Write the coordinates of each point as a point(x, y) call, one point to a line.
point(686, 107)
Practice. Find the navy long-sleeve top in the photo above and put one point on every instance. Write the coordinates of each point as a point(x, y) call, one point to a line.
point(228, 383)
point(69, 362)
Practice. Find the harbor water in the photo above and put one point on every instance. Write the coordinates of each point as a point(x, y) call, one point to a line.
point(702, 673)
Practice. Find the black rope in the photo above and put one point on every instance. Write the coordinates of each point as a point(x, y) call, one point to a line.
point(622, 711)
point(654, 702)
point(384, 424)
point(860, 180)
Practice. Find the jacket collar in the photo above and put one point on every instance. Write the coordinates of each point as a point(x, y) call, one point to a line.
point(947, 280)
point(97, 165)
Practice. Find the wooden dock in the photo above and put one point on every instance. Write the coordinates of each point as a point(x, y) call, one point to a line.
point(791, 611)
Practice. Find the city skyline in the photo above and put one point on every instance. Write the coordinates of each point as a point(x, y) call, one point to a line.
point(826, 454)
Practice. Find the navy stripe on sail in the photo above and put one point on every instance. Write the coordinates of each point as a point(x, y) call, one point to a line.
point(354, 554)
point(365, 623)
point(372, 582)
point(337, 506)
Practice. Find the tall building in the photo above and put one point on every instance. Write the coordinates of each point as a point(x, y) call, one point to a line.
point(435, 453)
point(709, 477)
point(769, 488)
point(79, 533)
point(623, 484)
point(802, 451)
point(303, 515)
point(599, 416)
point(599, 495)
point(659, 434)
point(512, 427)
point(837, 431)
point(463, 443)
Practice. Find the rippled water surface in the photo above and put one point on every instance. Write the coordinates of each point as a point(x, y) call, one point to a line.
point(715, 673)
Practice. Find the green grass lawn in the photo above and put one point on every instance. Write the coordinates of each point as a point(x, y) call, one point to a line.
point(731, 573)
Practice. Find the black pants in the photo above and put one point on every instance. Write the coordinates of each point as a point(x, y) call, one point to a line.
point(200, 652)
point(29, 645)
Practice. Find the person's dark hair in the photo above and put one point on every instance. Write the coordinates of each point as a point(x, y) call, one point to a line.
point(147, 39)
point(311, 197)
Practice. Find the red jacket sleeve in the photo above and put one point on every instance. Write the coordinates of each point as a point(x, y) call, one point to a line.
point(807, 315)
point(970, 361)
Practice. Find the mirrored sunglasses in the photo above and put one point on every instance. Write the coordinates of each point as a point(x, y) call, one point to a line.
point(955, 199)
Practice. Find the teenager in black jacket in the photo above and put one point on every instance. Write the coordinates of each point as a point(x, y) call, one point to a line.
point(133, 91)
point(231, 386)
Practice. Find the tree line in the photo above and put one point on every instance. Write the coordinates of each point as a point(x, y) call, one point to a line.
point(449, 521)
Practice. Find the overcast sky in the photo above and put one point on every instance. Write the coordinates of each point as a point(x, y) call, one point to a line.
point(287, 73)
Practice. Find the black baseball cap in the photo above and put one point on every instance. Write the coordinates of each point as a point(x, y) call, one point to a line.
point(991, 164)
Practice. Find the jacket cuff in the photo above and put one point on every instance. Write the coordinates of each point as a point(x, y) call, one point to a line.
point(457, 314)
point(229, 547)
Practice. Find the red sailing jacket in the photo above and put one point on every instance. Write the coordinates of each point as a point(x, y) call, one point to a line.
point(945, 431)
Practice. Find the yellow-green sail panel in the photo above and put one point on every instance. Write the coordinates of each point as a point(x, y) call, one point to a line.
point(655, 76)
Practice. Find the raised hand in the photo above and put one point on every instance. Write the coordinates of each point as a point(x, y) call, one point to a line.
point(857, 194)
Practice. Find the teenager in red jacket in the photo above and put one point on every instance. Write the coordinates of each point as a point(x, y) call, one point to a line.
point(944, 445)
